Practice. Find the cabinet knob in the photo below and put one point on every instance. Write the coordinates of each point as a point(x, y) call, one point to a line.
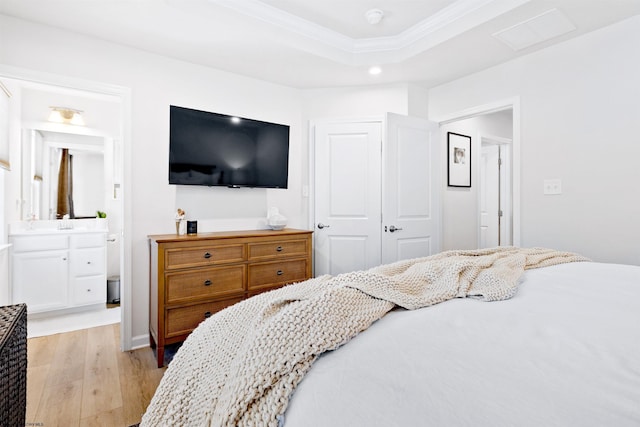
point(279, 249)
point(88, 262)
point(88, 290)
point(207, 314)
point(207, 282)
point(207, 255)
point(280, 272)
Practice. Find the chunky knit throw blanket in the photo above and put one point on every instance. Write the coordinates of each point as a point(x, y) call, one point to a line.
point(239, 367)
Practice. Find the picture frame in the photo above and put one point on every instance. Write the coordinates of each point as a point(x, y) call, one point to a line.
point(458, 160)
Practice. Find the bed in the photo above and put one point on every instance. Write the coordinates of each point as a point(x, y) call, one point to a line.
point(560, 347)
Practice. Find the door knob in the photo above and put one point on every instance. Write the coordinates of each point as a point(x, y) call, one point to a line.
point(321, 226)
point(394, 228)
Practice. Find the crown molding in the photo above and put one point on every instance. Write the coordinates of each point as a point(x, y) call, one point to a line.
point(445, 24)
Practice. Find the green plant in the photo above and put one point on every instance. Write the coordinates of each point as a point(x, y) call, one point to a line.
point(100, 214)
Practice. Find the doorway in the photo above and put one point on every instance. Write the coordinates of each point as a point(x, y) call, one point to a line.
point(46, 90)
point(498, 124)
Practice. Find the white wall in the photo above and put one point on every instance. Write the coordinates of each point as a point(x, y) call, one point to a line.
point(460, 204)
point(156, 82)
point(580, 103)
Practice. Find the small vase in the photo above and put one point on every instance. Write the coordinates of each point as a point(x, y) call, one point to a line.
point(177, 227)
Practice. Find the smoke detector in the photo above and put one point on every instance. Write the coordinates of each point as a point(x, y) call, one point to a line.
point(374, 16)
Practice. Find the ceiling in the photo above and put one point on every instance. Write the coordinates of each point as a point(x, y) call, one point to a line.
point(328, 43)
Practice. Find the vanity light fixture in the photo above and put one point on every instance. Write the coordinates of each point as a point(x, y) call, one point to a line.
point(66, 115)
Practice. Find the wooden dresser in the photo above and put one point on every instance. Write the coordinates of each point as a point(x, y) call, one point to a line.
point(194, 276)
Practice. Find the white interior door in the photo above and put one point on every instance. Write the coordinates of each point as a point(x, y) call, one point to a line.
point(347, 204)
point(410, 189)
point(489, 196)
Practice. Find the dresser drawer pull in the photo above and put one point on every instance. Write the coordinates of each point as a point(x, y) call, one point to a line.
point(280, 273)
point(207, 255)
point(279, 249)
point(207, 282)
point(207, 314)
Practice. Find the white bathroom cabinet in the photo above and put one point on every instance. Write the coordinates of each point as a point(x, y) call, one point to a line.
point(59, 270)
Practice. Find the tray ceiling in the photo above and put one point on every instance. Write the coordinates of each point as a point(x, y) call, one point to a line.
point(310, 43)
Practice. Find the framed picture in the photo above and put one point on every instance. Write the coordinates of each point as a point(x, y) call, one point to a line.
point(459, 160)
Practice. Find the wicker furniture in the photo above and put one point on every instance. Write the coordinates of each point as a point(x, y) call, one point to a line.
point(13, 365)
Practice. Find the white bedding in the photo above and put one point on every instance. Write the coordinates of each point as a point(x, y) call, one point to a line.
point(565, 351)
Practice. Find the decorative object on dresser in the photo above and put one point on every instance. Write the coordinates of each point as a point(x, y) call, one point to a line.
point(13, 365)
point(194, 276)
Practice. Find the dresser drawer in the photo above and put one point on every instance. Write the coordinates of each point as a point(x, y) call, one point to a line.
point(203, 283)
point(269, 274)
point(39, 243)
point(202, 256)
point(183, 320)
point(268, 250)
point(88, 262)
point(88, 240)
point(89, 290)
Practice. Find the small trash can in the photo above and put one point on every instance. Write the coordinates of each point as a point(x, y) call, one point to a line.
point(113, 290)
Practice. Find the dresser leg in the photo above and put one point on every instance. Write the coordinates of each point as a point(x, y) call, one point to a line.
point(160, 356)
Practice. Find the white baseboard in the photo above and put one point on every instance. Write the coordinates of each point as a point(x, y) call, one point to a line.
point(140, 341)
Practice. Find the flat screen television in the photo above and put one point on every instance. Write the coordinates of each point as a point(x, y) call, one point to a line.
point(219, 150)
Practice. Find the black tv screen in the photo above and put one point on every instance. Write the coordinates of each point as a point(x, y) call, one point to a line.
point(219, 150)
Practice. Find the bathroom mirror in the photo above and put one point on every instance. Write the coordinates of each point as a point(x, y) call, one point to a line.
point(41, 154)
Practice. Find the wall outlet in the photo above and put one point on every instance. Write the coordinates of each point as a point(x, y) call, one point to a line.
point(552, 186)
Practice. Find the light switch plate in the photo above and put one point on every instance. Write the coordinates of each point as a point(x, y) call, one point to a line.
point(552, 186)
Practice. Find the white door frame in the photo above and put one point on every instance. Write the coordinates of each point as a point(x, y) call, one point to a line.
point(124, 94)
point(501, 105)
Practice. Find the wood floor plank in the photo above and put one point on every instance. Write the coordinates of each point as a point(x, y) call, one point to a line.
point(40, 350)
point(82, 378)
point(68, 359)
point(60, 406)
point(101, 382)
point(104, 419)
point(139, 378)
point(36, 380)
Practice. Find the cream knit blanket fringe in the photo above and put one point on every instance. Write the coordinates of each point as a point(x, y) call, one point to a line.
point(239, 367)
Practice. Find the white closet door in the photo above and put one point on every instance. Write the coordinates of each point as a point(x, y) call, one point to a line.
point(347, 196)
point(410, 194)
point(489, 196)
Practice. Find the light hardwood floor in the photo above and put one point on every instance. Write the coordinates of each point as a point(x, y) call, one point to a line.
point(82, 378)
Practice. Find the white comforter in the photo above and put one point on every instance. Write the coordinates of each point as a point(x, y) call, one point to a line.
point(565, 351)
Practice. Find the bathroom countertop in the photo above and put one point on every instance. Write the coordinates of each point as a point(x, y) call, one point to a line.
point(41, 231)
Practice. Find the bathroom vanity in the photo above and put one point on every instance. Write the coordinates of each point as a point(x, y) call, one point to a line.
point(59, 269)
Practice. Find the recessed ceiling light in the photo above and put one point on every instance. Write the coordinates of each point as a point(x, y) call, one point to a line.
point(375, 70)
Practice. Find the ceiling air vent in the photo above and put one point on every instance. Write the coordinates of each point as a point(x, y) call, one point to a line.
point(543, 27)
